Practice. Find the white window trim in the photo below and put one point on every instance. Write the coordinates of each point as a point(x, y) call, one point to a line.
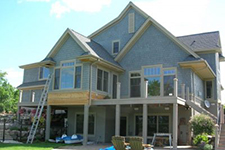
point(114, 41)
point(95, 123)
point(212, 98)
point(99, 91)
point(62, 67)
point(130, 72)
point(153, 114)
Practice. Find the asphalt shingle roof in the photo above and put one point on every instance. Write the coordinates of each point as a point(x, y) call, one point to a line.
point(202, 41)
point(35, 83)
point(95, 49)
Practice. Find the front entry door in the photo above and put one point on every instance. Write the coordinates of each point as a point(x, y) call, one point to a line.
point(123, 126)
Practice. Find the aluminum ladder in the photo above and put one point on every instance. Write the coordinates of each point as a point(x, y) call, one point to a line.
point(39, 110)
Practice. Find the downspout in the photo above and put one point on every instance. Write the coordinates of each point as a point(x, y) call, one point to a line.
point(90, 79)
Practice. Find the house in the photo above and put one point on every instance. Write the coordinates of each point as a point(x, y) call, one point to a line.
point(130, 77)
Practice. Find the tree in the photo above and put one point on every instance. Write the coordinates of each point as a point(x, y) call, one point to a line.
point(8, 95)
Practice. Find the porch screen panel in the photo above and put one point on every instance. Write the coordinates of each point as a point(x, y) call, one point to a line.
point(163, 122)
point(138, 125)
point(114, 93)
point(168, 83)
point(105, 81)
point(99, 80)
point(152, 125)
point(56, 79)
point(135, 87)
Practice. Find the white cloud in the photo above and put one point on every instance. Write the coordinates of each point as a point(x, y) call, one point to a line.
point(14, 76)
point(58, 9)
point(63, 6)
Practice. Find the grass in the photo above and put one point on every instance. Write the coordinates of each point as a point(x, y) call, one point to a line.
point(34, 146)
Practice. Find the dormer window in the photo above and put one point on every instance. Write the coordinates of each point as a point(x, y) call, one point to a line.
point(115, 47)
point(131, 23)
point(43, 73)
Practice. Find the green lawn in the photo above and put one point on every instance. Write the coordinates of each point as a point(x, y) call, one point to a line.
point(34, 146)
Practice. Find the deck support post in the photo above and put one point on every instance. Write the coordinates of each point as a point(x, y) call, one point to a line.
point(85, 130)
point(48, 122)
point(175, 124)
point(117, 122)
point(145, 123)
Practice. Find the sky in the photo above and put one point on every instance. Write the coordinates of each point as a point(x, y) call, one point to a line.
point(30, 28)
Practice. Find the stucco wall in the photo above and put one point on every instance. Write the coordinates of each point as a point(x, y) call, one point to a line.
point(119, 32)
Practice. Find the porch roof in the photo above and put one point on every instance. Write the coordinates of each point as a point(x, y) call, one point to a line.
point(200, 67)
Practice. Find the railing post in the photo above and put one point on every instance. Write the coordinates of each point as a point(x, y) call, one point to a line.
point(216, 136)
point(175, 87)
point(145, 88)
point(183, 91)
point(118, 90)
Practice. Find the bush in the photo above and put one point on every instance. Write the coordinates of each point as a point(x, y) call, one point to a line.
point(208, 147)
point(202, 124)
point(201, 139)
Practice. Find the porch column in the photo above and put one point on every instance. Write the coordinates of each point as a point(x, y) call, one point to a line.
point(175, 87)
point(175, 124)
point(117, 124)
point(48, 122)
point(85, 128)
point(183, 91)
point(145, 122)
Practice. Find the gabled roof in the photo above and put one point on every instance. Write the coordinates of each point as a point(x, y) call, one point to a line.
point(89, 46)
point(117, 19)
point(34, 84)
point(208, 41)
point(138, 34)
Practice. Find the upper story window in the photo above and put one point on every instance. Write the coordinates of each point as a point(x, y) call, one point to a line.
point(209, 89)
point(115, 47)
point(160, 80)
point(135, 84)
point(68, 76)
point(131, 23)
point(168, 83)
point(43, 73)
point(102, 80)
point(152, 74)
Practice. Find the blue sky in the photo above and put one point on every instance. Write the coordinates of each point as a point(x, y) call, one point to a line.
point(30, 28)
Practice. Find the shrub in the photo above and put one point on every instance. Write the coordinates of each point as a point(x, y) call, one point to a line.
point(201, 139)
point(202, 124)
point(208, 147)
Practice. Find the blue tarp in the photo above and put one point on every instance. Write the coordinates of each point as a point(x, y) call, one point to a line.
point(108, 148)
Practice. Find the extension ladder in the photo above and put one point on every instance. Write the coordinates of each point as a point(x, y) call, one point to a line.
point(39, 110)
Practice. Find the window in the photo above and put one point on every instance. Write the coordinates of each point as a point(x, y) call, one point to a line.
point(209, 89)
point(115, 47)
point(156, 124)
point(135, 84)
point(131, 25)
point(152, 74)
point(43, 73)
point(68, 76)
point(57, 78)
point(80, 123)
point(168, 83)
point(114, 88)
point(102, 80)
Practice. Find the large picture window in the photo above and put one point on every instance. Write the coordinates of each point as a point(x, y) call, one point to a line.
point(68, 76)
point(102, 80)
point(135, 84)
point(152, 74)
point(80, 124)
point(156, 124)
